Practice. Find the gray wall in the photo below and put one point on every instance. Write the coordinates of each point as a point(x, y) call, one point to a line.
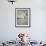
point(8, 31)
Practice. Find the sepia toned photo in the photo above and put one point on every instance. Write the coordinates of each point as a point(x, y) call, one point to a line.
point(22, 17)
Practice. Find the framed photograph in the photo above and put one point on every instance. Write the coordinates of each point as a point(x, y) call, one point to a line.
point(22, 17)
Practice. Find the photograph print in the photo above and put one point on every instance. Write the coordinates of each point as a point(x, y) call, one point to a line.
point(22, 17)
